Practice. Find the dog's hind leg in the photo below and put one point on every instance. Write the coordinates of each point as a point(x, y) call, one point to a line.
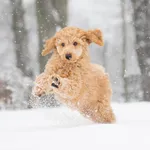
point(103, 114)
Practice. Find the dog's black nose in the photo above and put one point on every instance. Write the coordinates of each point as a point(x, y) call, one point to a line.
point(68, 56)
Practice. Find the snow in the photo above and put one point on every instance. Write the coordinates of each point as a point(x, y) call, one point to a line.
point(62, 128)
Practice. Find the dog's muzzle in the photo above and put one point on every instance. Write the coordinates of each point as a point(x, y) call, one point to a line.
point(68, 56)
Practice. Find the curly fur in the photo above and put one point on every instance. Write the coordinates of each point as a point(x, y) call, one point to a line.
point(76, 82)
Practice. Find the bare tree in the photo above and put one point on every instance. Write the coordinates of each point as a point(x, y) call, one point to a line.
point(141, 19)
point(124, 43)
point(50, 15)
point(20, 38)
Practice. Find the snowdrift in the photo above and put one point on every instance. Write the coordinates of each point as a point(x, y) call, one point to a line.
point(64, 129)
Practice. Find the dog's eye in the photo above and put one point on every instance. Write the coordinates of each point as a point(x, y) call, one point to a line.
point(75, 43)
point(62, 44)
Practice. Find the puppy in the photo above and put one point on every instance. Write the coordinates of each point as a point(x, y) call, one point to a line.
point(71, 76)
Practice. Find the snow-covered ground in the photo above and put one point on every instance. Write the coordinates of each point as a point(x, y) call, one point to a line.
point(64, 129)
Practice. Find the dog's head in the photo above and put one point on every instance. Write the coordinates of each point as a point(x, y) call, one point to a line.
point(71, 43)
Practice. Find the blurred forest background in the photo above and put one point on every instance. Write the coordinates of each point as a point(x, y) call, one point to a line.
point(26, 24)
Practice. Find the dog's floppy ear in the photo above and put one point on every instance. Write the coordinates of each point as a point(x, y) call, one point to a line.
point(49, 45)
point(95, 36)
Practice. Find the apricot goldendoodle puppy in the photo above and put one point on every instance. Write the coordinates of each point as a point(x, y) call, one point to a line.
point(71, 76)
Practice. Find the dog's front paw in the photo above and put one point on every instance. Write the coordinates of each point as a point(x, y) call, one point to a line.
point(55, 81)
point(37, 91)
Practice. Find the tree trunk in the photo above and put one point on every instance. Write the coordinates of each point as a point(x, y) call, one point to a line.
point(61, 9)
point(50, 15)
point(20, 38)
point(46, 26)
point(141, 24)
point(124, 43)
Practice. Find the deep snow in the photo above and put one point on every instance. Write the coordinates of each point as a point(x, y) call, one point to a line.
point(62, 128)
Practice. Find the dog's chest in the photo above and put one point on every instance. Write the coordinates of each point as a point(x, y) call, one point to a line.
point(65, 71)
